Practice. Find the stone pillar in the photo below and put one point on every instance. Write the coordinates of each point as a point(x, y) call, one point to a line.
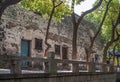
point(111, 68)
point(92, 66)
point(75, 67)
point(51, 66)
point(15, 67)
point(104, 69)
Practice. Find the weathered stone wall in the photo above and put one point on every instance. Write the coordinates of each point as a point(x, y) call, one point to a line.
point(60, 77)
point(20, 24)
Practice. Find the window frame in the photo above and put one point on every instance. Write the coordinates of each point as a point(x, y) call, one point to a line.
point(57, 49)
point(38, 44)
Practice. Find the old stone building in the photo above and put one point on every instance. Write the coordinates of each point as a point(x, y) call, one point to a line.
point(25, 34)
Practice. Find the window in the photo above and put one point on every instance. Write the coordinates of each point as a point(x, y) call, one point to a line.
point(38, 44)
point(64, 52)
point(57, 49)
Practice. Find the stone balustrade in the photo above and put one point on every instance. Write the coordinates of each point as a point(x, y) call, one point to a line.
point(51, 64)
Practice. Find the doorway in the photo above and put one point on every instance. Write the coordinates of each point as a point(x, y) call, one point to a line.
point(25, 51)
point(64, 52)
point(65, 66)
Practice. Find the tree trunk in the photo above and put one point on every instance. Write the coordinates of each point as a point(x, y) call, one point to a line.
point(47, 32)
point(105, 51)
point(76, 23)
point(74, 42)
point(89, 50)
point(113, 38)
point(5, 3)
point(74, 48)
point(48, 27)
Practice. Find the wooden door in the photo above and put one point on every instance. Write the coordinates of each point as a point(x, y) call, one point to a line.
point(25, 51)
point(64, 52)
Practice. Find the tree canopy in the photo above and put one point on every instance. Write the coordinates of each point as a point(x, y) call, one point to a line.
point(44, 8)
point(112, 14)
point(110, 33)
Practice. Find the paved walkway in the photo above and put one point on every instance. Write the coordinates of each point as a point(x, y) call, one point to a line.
point(7, 71)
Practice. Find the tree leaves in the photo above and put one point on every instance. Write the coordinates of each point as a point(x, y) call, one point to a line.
point(95, 17)
point(45, 7)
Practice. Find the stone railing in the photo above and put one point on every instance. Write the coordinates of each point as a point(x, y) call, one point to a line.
point(51, 64)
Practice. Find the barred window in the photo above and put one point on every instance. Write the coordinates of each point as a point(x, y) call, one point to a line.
point(38, 44)
point(57, 49)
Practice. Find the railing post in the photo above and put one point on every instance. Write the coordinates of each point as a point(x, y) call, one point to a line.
point(15, 66)
point(111, 68)
point(75, 67)
point(52, 64)
point(92, 66)
point(104, 69)
point(116, 69)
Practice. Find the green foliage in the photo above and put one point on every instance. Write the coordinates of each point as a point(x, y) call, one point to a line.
point(93, 17)
point(112, 14)
point(45, 7)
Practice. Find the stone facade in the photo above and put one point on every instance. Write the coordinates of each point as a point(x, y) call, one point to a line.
point(20, 24)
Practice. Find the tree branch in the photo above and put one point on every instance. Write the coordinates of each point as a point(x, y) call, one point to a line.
point(4, 4)
point(89, 11)
point(100, 26)
point(73, 14)
point(48, 27)
point(113, 39)
point(58, 4)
